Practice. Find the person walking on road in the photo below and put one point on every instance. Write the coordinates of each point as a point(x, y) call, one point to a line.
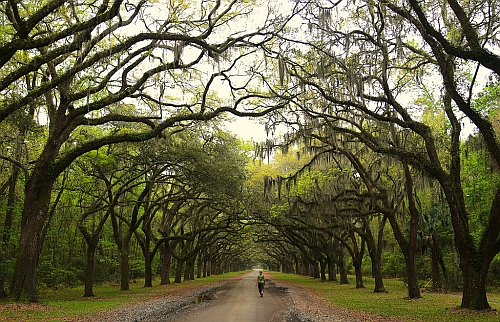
point(261, 281)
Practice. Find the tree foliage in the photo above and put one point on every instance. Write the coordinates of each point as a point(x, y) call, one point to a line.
point(110, 110)
point(364, 78)
point(129, 69)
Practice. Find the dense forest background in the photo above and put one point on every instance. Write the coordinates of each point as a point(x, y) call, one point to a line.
point(381, 159)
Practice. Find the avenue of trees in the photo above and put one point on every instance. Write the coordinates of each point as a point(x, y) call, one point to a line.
point(77, 77)
point(115, 163)
point(382, 93)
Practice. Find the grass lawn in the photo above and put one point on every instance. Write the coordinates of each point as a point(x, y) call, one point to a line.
point(431, 307)
point(68, 304)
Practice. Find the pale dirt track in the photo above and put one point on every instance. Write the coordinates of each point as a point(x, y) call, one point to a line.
point(237, 300)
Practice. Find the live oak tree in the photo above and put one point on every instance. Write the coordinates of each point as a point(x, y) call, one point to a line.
point(201, 195)
point(205, 165)
point(97, 200)
point(364, 65)
point(20, 136)
point(81, 63)
point(328, 204)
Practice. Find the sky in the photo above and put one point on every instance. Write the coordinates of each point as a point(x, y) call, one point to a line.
point(247, 129)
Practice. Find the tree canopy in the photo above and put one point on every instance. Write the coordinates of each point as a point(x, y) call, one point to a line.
point(113, 119)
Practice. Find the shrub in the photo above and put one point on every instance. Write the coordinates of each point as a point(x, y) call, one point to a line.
point(54, 277)
point(393, 264)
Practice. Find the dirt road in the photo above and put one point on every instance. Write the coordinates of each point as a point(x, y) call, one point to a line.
point(239, 302)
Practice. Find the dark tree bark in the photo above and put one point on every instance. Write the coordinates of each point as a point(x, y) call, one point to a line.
point(89, 271)
point(92, 240)
point(199, 265)
point(146, 245)
point(124, 267)
point(342, 270)
point(178, 270)
point(376, 257)
point(35, 212)
point(315, 269)
point(165, 256)
point(409, 246)
point(374, 250)
point(211, 266)
point(435, 262)
point(357, 255)
point(6, 233)
point(323, 265)
point(341, 264)
point(189, 270)
point(206, 267)
point(148, 270)
point(411, 253)
point(332, 270)
point(23, 284)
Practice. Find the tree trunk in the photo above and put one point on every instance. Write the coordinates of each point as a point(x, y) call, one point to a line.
point(474, 292)
point(189, 270)
point(35, 211)
point(206, 273)
point(178, 271)
point(332, 270)
point(408, 246)
point(411, 271)
point(435, 254)
point(24, 281)
point(89, 270)
point(192, 267)
point(341, 265)
point(209, 266)
point(375, 252)
point(148, 270)
point(9, 215)
point(357, 254)
point(377, 275)
point(410, 262)
point(165, 264)
point(148, 255)
point(124, 268)
point(315, 269)
point(216, 265)
point(298, 269)
point(305, 266)
point(376, 257)
point(322, 264)
point(11, 204)
point(359, 273)
point(343, 271)
point(411, 251)
point(474, 261)
point(199, 265)
point(455, 262)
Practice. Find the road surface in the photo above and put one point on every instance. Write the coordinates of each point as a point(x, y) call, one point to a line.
point(239, 302)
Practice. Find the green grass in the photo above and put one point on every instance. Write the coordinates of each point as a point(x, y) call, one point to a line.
point(440, 307)
point(68, 304)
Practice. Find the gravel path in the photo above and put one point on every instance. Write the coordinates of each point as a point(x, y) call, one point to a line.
point(301, 305)
point(306, 306)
